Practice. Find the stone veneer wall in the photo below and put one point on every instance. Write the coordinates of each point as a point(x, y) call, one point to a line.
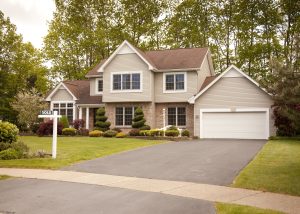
point(189, 114)
point(148, 109)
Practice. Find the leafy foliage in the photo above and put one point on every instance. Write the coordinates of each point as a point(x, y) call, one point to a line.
point(14, 150)
point(185, 133)
point(110, 133)
point(95, 133)
point(134, 132)
point(121, 135)
point(69, 131)
point(101, 120)
point(172, 133)
point(138, 120)
point(78, 124)
point(64, 121)
point(46, 128)
point(8, 132)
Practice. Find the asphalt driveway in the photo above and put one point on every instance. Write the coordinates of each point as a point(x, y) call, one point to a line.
point(42, 196)
point(202, 161)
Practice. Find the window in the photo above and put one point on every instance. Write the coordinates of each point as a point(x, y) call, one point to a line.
point(177, 116)
point(126, 81)
point(124, 116)
point(99, 86)
point(174, 82)
point(64, 109)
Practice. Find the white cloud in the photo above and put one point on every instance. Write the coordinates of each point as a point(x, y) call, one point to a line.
point(30, 17)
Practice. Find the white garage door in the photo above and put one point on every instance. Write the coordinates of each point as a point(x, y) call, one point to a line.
point(239, 125)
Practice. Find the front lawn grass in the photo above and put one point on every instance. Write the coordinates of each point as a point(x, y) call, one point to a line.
point(74, 149)
point(2, 177)
point(223, 208)
point(275, 169)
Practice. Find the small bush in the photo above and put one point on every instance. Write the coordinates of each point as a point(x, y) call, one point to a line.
point(101, 120)
point(134, 132)
point(144, 133)
point(64, 121)
point(145, 127)
point(117, 129)
point(173, 128)
point(9, 154)
point(34, 127)
point(78, 124)
point(69, 131)
point(4, 146)
point(95, 133)
point(110, 133)
point(121, 135)
point(46, 128)
point(172, 133)
point(185, 133)
point(8, 132)
point(83, 132)
point(154, 132)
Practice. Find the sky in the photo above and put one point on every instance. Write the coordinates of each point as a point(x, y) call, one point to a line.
point(30, 17)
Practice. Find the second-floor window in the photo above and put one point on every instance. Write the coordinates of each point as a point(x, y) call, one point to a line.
point(99, 85)
point(126, 81)
point(174, 82)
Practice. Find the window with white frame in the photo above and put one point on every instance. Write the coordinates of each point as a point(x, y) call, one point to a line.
point(175, 82)
point(64, 109)
point(177, 116)
point(126, 81)
point(124, 115)
point(99, 86)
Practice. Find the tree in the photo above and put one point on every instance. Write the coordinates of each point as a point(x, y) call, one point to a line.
point(64, 121)
point(284, 85)
point(101, 120)
point(138, 119)
point(28, 105)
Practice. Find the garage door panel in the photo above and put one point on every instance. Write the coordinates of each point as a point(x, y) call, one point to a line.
point(241, 125)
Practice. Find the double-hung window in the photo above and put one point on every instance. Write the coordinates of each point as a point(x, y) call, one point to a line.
point(124, 115)
point(64, 109)
point(99, 85)
point(126, 82)
point(177, 116)
point(174, 82)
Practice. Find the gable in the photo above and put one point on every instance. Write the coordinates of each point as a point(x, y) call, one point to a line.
point(61, 95)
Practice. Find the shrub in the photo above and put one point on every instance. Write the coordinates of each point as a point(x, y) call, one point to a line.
point(95, 133)
point(138, 120)
point(34, 127)
point(83, 132)
point(144, 133)
point(110, 133)
point(4, 146)
point(101, 120)
point(145, 127)
point(78, 124)
point(117, 129)
point(46, 128)
point(172, 128)
point(21, 148)
point(8, 132)
point(155, 132)
point(64, 121)
point(69, 131)
point(9, 154)
point(121, 135)
point(134, 132)
point(161, 132)
point(172, 133)
point(185, 133)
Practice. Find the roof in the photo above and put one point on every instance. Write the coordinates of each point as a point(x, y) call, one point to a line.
point(81, 90)
point(212, 80)
point(182, 58)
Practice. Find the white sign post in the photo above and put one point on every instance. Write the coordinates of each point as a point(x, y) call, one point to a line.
point(54, 116)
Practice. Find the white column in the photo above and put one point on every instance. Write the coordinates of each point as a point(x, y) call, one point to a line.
point(74, 112)
point(87, 115)
point(80, 113)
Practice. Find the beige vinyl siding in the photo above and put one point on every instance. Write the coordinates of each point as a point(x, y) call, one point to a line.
point(127, 63)
point(92, 86)
point(61, 95)
point(203, 72)
point(230, 92)
point(161, 97)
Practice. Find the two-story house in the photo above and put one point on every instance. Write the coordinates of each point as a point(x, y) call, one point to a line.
point(177, 85)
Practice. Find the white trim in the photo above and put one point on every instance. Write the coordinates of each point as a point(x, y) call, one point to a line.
point(174, 91)
point(66, 102)
point(192, 99)
point(87, 117)
point(90, 105)
point(97, 84)
point(126, 90)
point(176, 70)
point(267, 121)
point(80, 113)
point(116, 52)
point(48, 98)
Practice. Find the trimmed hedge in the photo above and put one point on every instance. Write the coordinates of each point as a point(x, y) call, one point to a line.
point(69, 131)
point(134, 132)
point(8, 132)
point(110, 133)
point(144, 133)
point(83, 132)
point(117, 129)
point(185, 133)
point(101, 120)
point(172, 133)
point(121, 135)
point(95, 133)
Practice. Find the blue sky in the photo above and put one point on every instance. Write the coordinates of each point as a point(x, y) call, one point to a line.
point(30, 17)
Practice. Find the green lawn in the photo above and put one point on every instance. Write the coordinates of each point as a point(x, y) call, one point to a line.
point(74, 149)
point(275, 169)
point(2, 177)
point(239, 209)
